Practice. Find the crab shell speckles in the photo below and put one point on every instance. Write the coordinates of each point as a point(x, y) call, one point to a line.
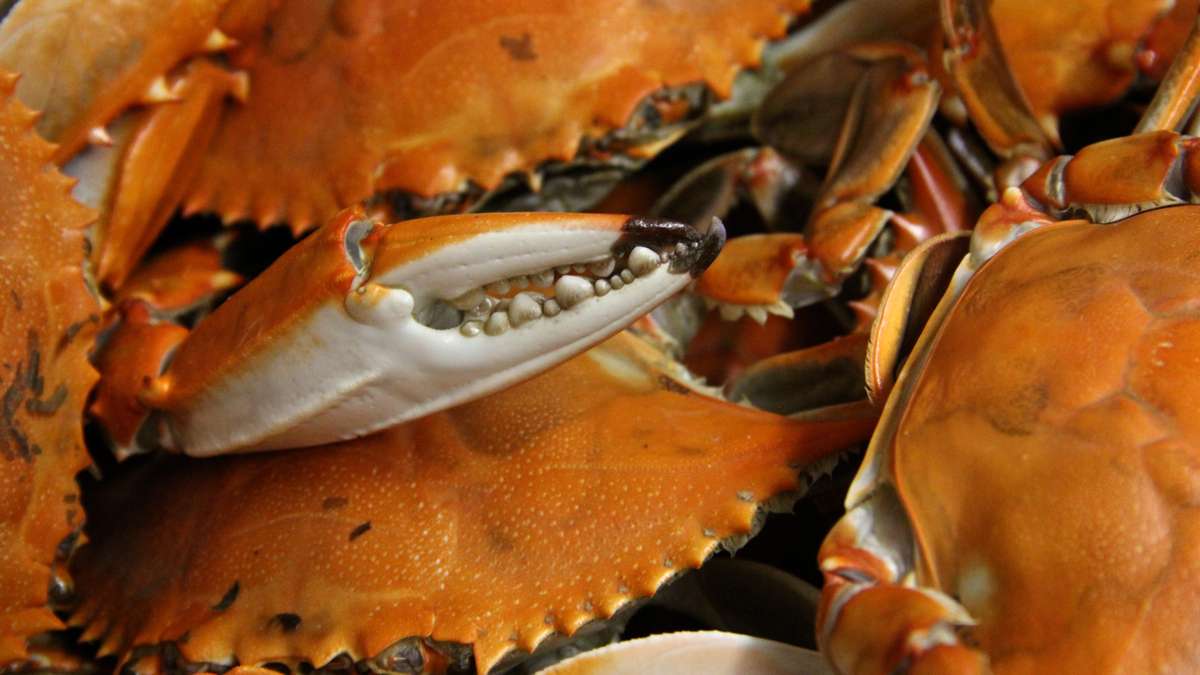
point(49, 320)
point(494, 524)
point(488, 89)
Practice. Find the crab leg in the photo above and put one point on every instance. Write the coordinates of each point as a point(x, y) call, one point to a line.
point(1114, 179)
point(759, 274)
point(137, 181)
point(887, 117)
point(362, 325)
point(870, 621)
point(1176, 97)
point(982, 78)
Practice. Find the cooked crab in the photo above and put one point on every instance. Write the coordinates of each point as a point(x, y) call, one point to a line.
point(1025, 503)
point(419, 313)
point(49, 320)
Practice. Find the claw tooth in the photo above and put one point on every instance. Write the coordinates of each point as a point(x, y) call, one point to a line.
point(496, 324)
point(469, 300)
point(602, 268)
point(471, 328)
point(681, 249)
point(562, 269)
point(616, 282)
point(543, 279)
point(99, 136)
point(730, 312)
point(781, 308)
point(521, 281)
point(524, 308)
point(241, 86)
point(551, 308)
point(579, 268)
point(758, 313)
point(627, 276)
point(602, 287)
point(498, 287)
point(642, 260)
point(217, 41)
point(534, 178)
point(481, 310)
point(159, 92)
point(571, 290)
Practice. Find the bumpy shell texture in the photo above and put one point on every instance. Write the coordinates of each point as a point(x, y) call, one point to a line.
point(494, 524)
point(84, 62)
point(1065, 382)
point(49, 319)
point(340, 107)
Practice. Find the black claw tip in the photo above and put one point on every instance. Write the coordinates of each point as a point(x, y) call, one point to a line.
point(714, 239)
point(703, 245)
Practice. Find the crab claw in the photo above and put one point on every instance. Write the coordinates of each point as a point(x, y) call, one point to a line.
point(363, 325)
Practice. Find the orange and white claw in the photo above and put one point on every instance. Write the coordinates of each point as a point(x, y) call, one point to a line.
point(759, 275)
point(363, 325)
point(881, 629)
point(132, 353)
point(872, 620)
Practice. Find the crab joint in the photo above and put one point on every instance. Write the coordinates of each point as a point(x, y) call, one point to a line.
point(362, 325)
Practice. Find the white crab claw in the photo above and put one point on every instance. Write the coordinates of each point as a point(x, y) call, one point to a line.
point(362, 326)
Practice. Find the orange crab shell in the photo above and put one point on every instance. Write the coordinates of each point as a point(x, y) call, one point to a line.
point(340, 107)
point(1075, 543)
point(1072, 55)
point(49, 319)
point(105, 57)
point(493, 524)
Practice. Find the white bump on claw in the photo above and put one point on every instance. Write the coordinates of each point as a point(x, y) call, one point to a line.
point(524, 308)
point(616, 282)
point(496, 324)
point(602, 268)
point(730, 312)
point(482, 310)
point(99, 136)
point(642, 261)
point(469, 300)
point(571, 290)
point(471, 328)
point(781, 308)
point(543, 279)
point(602, 287)
point(551, 308)
point(217, 41)
point(498, 287)
point(159, 92)
point(377, 305)
point(627, 276)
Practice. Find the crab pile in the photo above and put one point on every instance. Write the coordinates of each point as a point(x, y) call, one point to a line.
point(323, 348)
